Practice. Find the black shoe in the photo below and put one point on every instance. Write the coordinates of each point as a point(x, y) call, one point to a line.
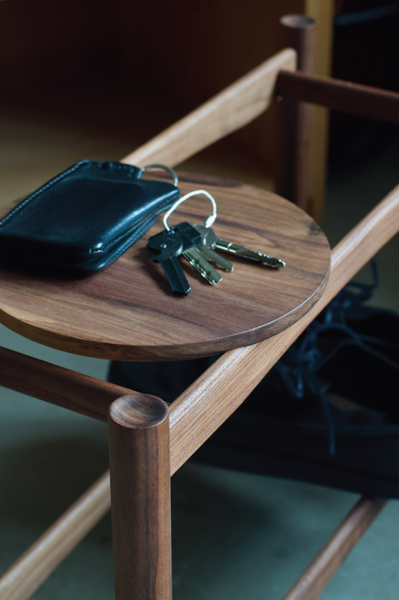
point(340, 429)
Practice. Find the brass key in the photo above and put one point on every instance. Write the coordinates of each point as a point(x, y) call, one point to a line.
point(197, 260)
point(207, 251)
point(215, 243)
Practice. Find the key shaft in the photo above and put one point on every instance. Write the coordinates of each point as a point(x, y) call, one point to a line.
point(170, 245)
point(206, 249)
point(191, 237)
point(175, 275)
point(242, 252)
point(199, 262)
point(212, 241)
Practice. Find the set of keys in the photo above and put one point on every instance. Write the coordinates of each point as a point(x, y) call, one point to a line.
point(197, 244)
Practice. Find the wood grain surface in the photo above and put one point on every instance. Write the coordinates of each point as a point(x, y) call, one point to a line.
point(218, 392)
point(355, 98)
point(299, 32)
point(139, 454)
point(128, 311)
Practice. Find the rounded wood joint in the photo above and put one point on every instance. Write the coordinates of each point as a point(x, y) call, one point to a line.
point(297, 22)
point(138, 411)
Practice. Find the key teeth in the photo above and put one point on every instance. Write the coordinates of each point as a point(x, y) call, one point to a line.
point(279, 263)
point(197, 265)
point(271, 261)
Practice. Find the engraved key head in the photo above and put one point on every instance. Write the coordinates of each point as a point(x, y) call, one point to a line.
point(168, 243)
point(189, 236)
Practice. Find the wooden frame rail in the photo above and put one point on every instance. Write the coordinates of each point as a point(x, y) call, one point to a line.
point(333, 553)
point(63, 387)
point(231, 109)
point(362, 100)
point(196, 414)
point(276, 77)
point(216, 394)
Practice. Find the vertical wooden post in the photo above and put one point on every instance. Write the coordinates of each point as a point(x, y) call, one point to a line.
point(140, 498)
point(299, 32)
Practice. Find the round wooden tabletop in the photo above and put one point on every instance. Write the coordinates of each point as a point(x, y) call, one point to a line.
point(128, 312)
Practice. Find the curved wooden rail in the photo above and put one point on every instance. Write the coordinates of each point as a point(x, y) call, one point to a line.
point(207, 403)
point(333, 553)
point(234, 107)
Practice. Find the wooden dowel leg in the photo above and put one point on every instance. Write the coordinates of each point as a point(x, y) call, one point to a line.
point(140, 498)
point(293, 177)
point(328, 560)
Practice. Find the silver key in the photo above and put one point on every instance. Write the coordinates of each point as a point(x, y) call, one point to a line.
point(207, 251)
point(199, 262)
point(213, 241)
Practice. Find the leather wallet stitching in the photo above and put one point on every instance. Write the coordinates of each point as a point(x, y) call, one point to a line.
point(51, 183)
point(146, 225)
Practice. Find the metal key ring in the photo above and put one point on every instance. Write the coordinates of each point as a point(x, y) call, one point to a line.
point(209, 221)
point(159, 166)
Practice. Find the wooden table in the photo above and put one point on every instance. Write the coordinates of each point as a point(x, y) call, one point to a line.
point(129, 313)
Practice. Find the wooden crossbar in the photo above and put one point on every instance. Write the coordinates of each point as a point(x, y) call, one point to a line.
point(333, 553)
point(362, 100)
point(63, 387)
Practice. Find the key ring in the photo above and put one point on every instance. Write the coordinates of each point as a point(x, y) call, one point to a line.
point(209, 221)
point(159, 166)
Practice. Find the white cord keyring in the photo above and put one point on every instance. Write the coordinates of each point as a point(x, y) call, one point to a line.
point(209, 221)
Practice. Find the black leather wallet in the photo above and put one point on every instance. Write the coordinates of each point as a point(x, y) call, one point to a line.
point(81, 221)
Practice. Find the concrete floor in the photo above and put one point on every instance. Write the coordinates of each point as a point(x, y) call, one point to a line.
point(235, 536)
